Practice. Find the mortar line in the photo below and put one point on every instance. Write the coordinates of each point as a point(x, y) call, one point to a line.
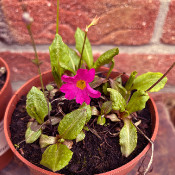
point(143, 49)
point(160, 21)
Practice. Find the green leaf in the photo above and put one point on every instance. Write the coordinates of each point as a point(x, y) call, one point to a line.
point(74, 59)
point(130, 81)
point(128, 138)
point(145, 81)
point(87, 53)
point(36, 105)
point(56, 157)
point(88, 110)
point(54, 120)
point(117, 86)
point(30, 135)
point(111, 68)
point(113, 117)
point(49, 87)
point(62, 58)
point(105, 87)
point(72, 124)
point(137, 102)
point(54, 50)
point(106, 57)
point(101, 120)
point(97, 82)
point(94, 110)
point(80, 136)
point(46, 140)
point(85, 128)
point(119, 102)
point(106, 107)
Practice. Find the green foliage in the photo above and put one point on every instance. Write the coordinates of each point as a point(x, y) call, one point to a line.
point(106, 107)
point(130, 81)
point(62, 58)
point(145, 81)
point(49, 87)
point(118, 86)
point(119, 102)
point(101, 120)
point(30, 135)
point(113, 117)
point(36, 105)
point(58, 154)
point(80, 136)
point(54, 50)
point(106, 58)
point(88, 110)
point(111, 68)
point(46, 140)
point(72, 124)
point(128, 137)
point(87, 52)
point(97, 82)
point(74, 59)
point(94, 110)
point(105, 87)
point(56, 157)
point(137, 102)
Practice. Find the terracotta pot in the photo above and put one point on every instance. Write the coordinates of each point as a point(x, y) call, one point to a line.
point(5, 95)
point(47, 77)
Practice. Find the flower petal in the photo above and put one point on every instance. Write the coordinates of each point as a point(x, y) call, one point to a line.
point(68, 88)
point(92, 93)
point(84, 74)
point(91, 75)
point(70, 96)
point(82, 96)
point(68, 79)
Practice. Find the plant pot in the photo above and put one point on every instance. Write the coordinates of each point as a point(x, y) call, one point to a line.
point(5, 95)
point(47, 77)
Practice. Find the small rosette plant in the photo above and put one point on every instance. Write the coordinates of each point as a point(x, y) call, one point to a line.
point(77, 78)
point(121, 100)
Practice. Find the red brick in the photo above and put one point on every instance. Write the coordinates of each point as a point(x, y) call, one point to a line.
point(21, 67)
point(122, 21)
point(143, 63)
point(168, 35)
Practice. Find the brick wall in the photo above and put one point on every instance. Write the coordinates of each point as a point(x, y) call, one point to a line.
point(143, 30)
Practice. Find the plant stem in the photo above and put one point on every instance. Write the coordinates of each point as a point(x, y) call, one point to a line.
point(36, 56)
point(171, 67)
point(57, 17)
point(82, 49)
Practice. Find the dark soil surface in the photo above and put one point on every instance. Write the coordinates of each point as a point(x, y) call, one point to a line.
point(97, 153)
point(2, 79)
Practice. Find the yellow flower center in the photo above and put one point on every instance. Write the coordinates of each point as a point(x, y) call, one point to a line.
point(81, 84)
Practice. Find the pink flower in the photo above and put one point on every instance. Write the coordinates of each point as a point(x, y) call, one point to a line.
point(78, 86)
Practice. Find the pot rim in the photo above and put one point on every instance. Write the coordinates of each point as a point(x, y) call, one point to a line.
point(29, 164)
point(7, 77)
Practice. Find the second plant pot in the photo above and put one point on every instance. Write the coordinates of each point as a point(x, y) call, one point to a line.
point(5, 95)
point(47, 78)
